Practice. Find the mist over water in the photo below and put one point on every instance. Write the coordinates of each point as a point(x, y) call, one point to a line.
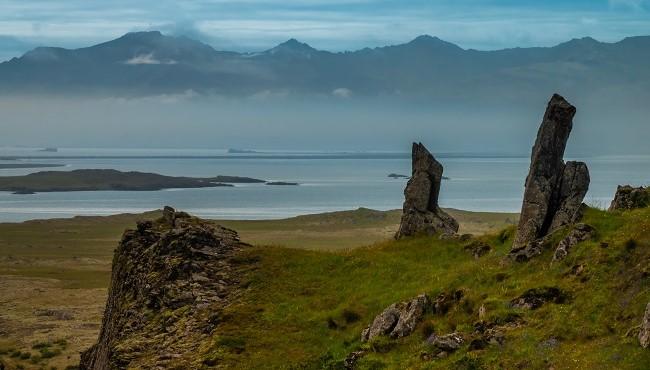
point(477, 183)
point(604, 125)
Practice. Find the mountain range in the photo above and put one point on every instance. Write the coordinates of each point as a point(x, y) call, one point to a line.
point(144, 63)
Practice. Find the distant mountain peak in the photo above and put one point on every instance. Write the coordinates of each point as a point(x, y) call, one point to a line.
point(142, 35)
point(582, 42)
point(292, 47)
point(432, 41)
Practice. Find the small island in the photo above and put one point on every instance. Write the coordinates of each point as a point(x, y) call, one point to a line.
point(241, 151)
point(282, 183)
point(398, 176)
point(105, 179)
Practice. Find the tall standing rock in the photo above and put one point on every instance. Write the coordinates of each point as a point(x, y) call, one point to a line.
point(421, 213)
point(554, 190)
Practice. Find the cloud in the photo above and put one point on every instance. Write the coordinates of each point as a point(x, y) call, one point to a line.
point(254, 25)
point(630, 4)
point(342, 92)
point(147, 59)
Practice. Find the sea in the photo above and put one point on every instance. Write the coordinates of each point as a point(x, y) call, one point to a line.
point(328, 181)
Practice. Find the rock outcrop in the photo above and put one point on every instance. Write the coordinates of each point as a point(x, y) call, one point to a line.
point(644, 334)
point(170, 280)
point(447, 343)
point(554, 190)
point(421, 213)
point(399, 319)
point(628, 197)
point(580, 233)
point(533, 299)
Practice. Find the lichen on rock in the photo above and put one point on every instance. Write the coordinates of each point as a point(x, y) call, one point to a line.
point(399, 319)
point(628, 197)
point(170, 279)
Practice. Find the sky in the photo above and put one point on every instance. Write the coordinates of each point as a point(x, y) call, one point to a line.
point(336, 25)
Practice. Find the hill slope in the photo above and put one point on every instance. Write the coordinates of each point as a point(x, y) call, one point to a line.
point(307, 309)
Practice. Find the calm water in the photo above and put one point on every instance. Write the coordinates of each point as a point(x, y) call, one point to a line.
point(327, 183)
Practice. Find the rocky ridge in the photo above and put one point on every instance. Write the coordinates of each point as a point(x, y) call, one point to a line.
point(628, 197)
point(170, 280)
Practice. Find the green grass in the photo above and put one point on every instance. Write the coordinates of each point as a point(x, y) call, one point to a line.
point(294, 313)
point(65, 264)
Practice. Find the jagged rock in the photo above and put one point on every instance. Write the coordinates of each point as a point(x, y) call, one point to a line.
point(170, 277)
point(534, 298)
point(554, 190)
point(421, 213)
point(628, 197)
point(398, 320)
point(580, 233)
point(446, 343)
point(528, 251)
point(644, 334)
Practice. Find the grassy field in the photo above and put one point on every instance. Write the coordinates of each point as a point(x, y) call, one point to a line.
point(54, 273)
point(307, 309)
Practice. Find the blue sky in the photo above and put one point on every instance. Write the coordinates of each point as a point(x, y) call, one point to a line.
point(326, 24)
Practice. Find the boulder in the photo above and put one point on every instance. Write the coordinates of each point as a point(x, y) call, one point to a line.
point(628, 197)
point(446, 343)
point(478, 249)
point(399, 319)
point(580, 233)
point(644, 334)
point(169, 280)
point(528, 251)
point(421, 213)
point(554, 190)
point(534, 298)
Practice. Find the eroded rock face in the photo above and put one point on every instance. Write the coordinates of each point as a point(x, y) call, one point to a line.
point(644, 334)
point(398, 320)
point(554, 190)
point(628, 197)
point(170, 279)
point(580, 233)
point(421, 213)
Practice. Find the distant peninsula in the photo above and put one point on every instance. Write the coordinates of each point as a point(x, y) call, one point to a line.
point(106, 179)
point(8, 166)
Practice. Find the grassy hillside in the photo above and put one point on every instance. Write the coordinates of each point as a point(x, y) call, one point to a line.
point(54, 273)
point(306, 309)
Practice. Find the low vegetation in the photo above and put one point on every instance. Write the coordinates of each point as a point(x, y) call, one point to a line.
point(54, 273)
point(306, 308)
point(298, 308)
